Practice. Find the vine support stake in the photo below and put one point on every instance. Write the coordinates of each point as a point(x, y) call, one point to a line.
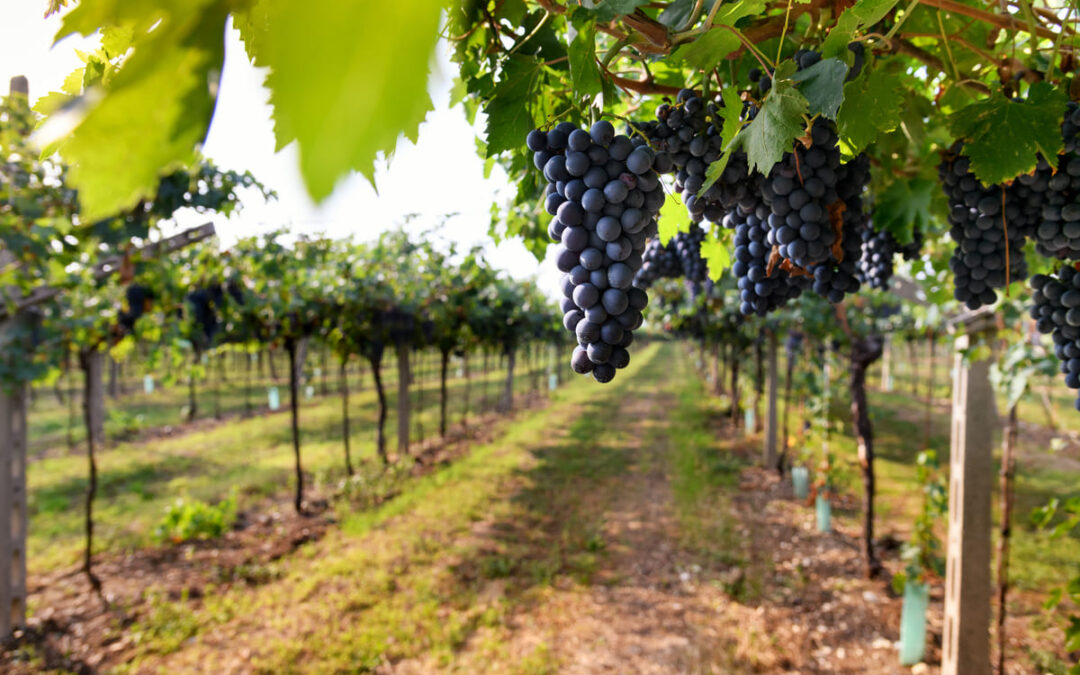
point(966, 634)
point(769, 456)
point(404, 376)
point(13, 521)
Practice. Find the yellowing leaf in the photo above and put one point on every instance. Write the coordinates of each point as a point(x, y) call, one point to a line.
point(716, 253)
point(672, 218)
point(731, 114)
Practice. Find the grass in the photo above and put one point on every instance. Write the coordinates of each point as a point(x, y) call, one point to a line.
point(1037, 564)
point(415, 577)
point(138, 480)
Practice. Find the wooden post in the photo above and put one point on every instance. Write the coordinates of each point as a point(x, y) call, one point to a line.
point(886, 367)
point(966, 634)
point(403, 399)
point(769, 456)
point(12, 504)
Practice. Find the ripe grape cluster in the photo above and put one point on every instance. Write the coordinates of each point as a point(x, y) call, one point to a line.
point(798, 192)
point(202, 312)
point(1054, 196)
point(688, 248)
point(876, 263)
point(759, 291)
point(137, 298)
point(658, 262)
point(793, 345)
point(985, 257)
point(1057, 312)
point(604, 194)
point(686, 135)
point(1043, 205)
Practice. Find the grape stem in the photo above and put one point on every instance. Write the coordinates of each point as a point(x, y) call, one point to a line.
point(907, 12)
point(905, 47)
point(783, 33)
point(1006, 22)
point(767, 65)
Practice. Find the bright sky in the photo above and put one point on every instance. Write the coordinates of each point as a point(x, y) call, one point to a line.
point(441, 174)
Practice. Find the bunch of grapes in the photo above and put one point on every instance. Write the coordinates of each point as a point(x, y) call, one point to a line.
point(138, 298)
point(798, 192)
point(202, 312)
point(761, 289)
point(876, 262)
point(604, 195)
point(793, 345)
point(1053, 197)
point(1057, 312)
point(687, 133)
point(688, 248)
point(914, 249)
point(658, 262)
point(980, 216)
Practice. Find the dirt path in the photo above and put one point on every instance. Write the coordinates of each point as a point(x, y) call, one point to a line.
point(635, 615)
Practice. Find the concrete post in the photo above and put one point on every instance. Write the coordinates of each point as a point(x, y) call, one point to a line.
point(966, 638)
point(12, 505)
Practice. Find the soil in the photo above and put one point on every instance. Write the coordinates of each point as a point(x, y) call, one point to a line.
point(77, 631)
point(794, 602)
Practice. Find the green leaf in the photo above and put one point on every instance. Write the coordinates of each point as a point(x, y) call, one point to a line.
point(333, 83)
point(677, 12)
point(778, 123)
point(508, 109)
point(904, 206)
point(823, 86)
point(672, 218)
point(873, 104)
point(1072, 634)
point(1004, 138)
point(154, 114)
point(606, 10)
point(584, 71)
point(862, 13)
point(717, 255)
point(731, 115)
point(704, 52)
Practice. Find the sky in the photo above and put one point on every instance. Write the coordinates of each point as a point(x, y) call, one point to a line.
point(441, 174)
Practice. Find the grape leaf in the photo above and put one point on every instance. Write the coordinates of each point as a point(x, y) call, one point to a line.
point(715, 44)
point(862, 13)
point(584, 71)
point(717, 255)
point(155, 113)
point(872, 104)
point(731, 115)
point(342, 105)
point(672, 218)
point(1004, 138)
point(606, 10)
point(508, 112)
point(823, 86)
point(778, 123)
point(904, 206)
